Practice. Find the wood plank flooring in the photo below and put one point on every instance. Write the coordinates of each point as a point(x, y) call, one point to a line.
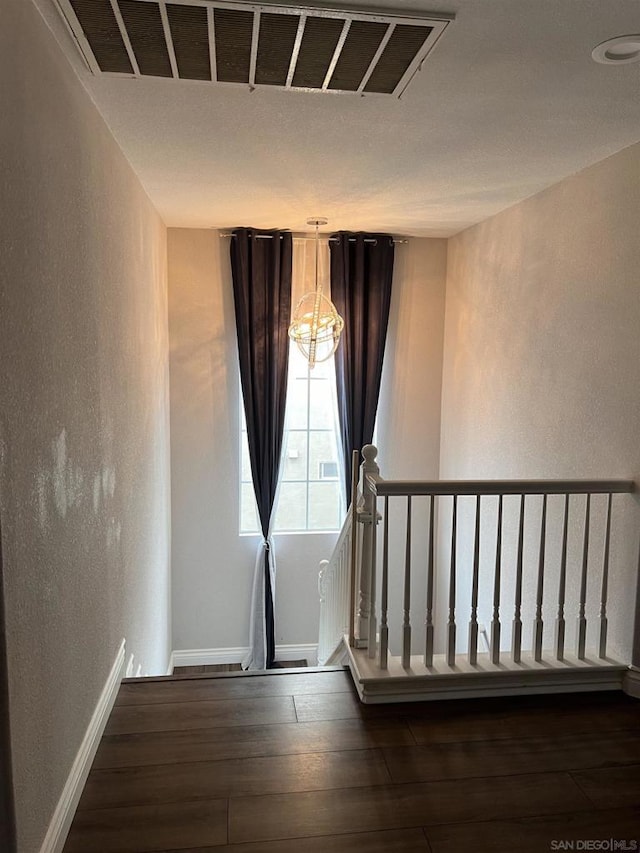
point(293, 763)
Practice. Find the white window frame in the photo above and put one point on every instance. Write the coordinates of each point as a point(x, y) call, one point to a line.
point(309, 479)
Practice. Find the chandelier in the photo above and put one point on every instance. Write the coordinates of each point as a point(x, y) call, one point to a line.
point(316, 324)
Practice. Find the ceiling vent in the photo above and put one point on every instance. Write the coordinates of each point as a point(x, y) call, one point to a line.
point(307, 49)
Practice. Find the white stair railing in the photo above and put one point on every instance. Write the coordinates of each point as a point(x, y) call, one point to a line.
point(525, 565)
point(337, 584)
point(487, 536)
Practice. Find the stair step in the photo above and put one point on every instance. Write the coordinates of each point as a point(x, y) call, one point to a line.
point(235, 674)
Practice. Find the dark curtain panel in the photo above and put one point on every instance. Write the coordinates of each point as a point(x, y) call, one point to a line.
point(361, 274)
point(261, 271)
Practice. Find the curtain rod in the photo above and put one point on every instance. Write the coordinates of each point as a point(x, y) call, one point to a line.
point(312, 237)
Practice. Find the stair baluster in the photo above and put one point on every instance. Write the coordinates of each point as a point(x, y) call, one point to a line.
point(451, 624)
point(538, 623)
point(602, 649)
point(428, 639)
point(384, 592)
point(516, 639)
point(581, 640)
point(495, 622)
point(406, 622)
point(562, 584)
point(473, 624)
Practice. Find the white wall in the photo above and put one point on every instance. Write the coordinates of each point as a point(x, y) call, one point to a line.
point(83, 412)
point(212, 564)
point(408, 426)
point(542, 354)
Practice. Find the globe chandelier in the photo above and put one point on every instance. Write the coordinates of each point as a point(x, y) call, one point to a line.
point(316, 324)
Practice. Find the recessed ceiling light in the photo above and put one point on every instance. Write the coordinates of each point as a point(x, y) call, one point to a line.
point(618, 51)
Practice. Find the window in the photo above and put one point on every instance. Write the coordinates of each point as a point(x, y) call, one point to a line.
point(309, 497)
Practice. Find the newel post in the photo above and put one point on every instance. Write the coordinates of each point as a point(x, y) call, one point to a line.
point(632, 686)
point(367, 515)
point(635, 655)
point(631, 683)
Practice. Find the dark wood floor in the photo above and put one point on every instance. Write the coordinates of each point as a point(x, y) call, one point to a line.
point(293, 763)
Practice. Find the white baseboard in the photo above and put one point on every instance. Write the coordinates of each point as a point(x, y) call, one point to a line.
point(171, 663)
point(631, 682)
point(130, 668)
point(210, 657)
point(134, 670)
point(67, 804)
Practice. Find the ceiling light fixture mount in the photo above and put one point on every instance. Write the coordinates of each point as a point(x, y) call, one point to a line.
point(316, 324)
point(621, 50)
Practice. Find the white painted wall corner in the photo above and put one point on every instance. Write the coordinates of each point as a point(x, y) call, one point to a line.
point(67, 804)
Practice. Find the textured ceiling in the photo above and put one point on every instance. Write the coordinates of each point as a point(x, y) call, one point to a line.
point(508, 103)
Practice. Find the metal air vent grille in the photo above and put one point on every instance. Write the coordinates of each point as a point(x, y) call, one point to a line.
point(254, 45)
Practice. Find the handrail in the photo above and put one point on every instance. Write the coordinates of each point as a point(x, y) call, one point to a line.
point(337, 584)
point(330, 576)
point(381, 487)
point(345, 530)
